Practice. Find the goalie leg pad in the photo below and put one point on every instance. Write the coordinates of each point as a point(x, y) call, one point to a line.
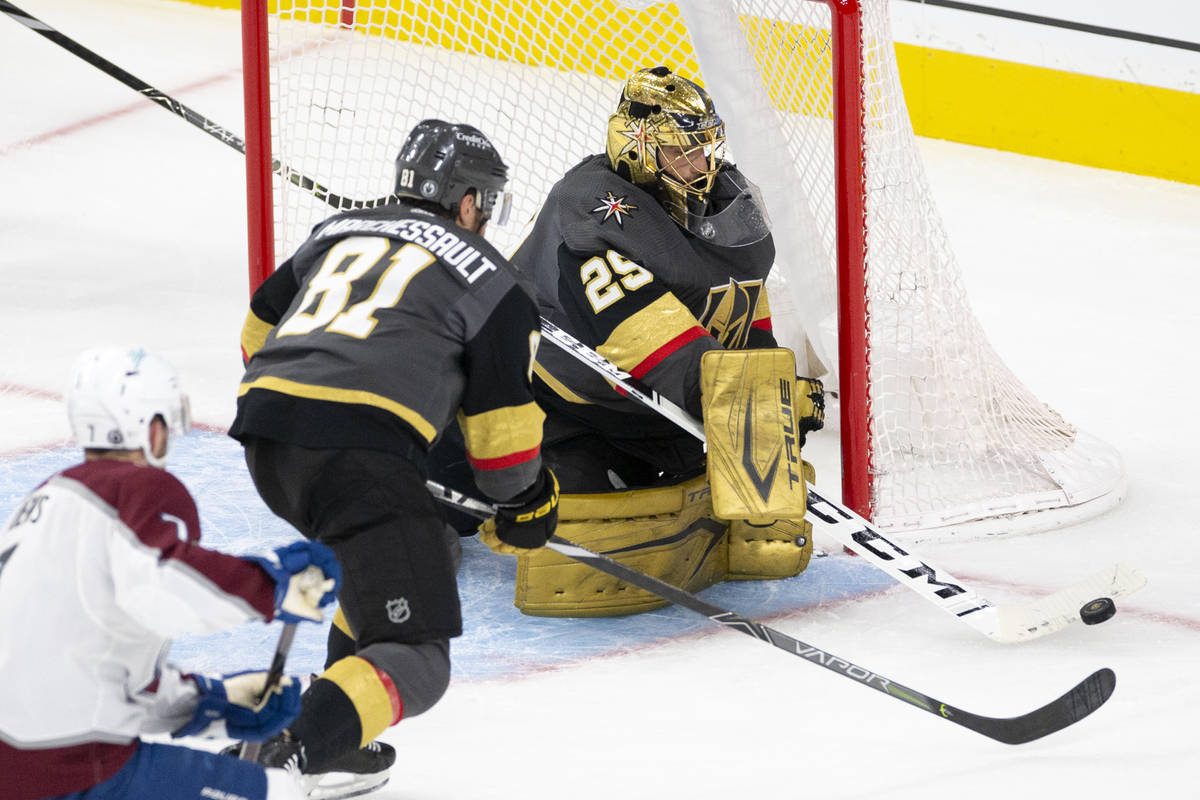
point(781, 549)
point(767, 551)
point(668, 532)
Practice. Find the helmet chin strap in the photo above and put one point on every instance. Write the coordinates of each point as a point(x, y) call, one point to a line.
point(154, 461)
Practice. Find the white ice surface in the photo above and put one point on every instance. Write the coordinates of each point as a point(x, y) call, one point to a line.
point(121, 223)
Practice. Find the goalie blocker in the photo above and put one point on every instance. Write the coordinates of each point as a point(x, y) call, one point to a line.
point(743, 521)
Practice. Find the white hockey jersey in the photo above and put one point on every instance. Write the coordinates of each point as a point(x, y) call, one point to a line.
point(99, 568)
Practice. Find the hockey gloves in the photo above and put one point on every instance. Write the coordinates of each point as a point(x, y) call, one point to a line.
point(529, 519)
point(307, 577)
point(810, 408)
point(233, 707)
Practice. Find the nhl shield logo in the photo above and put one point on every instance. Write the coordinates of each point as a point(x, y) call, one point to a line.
point(398, 610)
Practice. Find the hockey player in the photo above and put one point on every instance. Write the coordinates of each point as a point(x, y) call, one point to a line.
point(99, 566)
point(364, 346)
point(654, 254)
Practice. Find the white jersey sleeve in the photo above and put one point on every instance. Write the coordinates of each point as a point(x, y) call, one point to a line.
point(101, 567)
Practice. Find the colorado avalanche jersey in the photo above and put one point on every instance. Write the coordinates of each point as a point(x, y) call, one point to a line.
point(99, 568)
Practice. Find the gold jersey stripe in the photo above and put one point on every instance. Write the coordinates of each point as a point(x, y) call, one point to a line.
point(641, 335)
point(254, 334)
point(341, 623)
point(763, 309)
point(502, 431)
point(335, 395)
point(557, 386)
point(362, 683)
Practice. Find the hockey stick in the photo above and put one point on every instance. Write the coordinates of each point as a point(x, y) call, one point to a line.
point(1017, 623)
point(1005, 624)
point(175, 107)
point(250, 750)
point(1084, 698)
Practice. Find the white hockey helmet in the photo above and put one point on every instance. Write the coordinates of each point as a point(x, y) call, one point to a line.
point(114, 394)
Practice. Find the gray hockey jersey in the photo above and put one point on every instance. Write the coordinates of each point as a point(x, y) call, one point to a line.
point(614, 270)
point(381, 329)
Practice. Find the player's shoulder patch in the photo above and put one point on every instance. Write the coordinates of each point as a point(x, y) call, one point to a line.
point(614, 208)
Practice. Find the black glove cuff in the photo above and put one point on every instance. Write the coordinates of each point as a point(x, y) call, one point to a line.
point(530, 523)
point(534, 492)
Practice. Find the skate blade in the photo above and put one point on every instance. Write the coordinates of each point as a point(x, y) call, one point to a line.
point(337, 785)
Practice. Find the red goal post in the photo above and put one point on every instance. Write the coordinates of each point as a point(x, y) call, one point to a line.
point(938, 437)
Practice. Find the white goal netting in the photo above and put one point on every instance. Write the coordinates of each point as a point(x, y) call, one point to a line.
point(955, 439)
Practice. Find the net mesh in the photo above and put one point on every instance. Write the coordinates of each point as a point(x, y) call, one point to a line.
point(955, 437)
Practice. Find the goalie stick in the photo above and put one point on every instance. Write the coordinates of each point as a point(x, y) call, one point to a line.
point(205, 124)
point(1080, 701)
point(1014, 623)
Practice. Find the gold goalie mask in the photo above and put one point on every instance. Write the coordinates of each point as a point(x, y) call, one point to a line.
point(666, 136)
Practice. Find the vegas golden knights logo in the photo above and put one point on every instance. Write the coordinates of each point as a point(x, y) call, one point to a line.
point(730, 311)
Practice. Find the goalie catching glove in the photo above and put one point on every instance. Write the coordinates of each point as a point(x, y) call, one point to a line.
point(307, 577)
point(233, 707)
point(810, 408)
point(529, 519)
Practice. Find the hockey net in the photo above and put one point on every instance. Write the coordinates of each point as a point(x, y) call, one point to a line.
point(939, 437)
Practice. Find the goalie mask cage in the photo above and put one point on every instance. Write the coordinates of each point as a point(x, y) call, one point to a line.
point(939, 438)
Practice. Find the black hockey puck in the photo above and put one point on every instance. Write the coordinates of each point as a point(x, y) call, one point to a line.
point(1097, 611)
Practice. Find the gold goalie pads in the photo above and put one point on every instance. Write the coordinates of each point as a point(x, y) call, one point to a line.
point(750, 421)
point(744, 522)
point(669, 532)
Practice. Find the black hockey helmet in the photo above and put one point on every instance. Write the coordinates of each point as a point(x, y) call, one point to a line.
point(440, 161)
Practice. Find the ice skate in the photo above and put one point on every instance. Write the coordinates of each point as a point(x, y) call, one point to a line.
point(355, 773)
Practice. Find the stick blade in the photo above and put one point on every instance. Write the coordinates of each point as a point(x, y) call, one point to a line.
point(1091, 693)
